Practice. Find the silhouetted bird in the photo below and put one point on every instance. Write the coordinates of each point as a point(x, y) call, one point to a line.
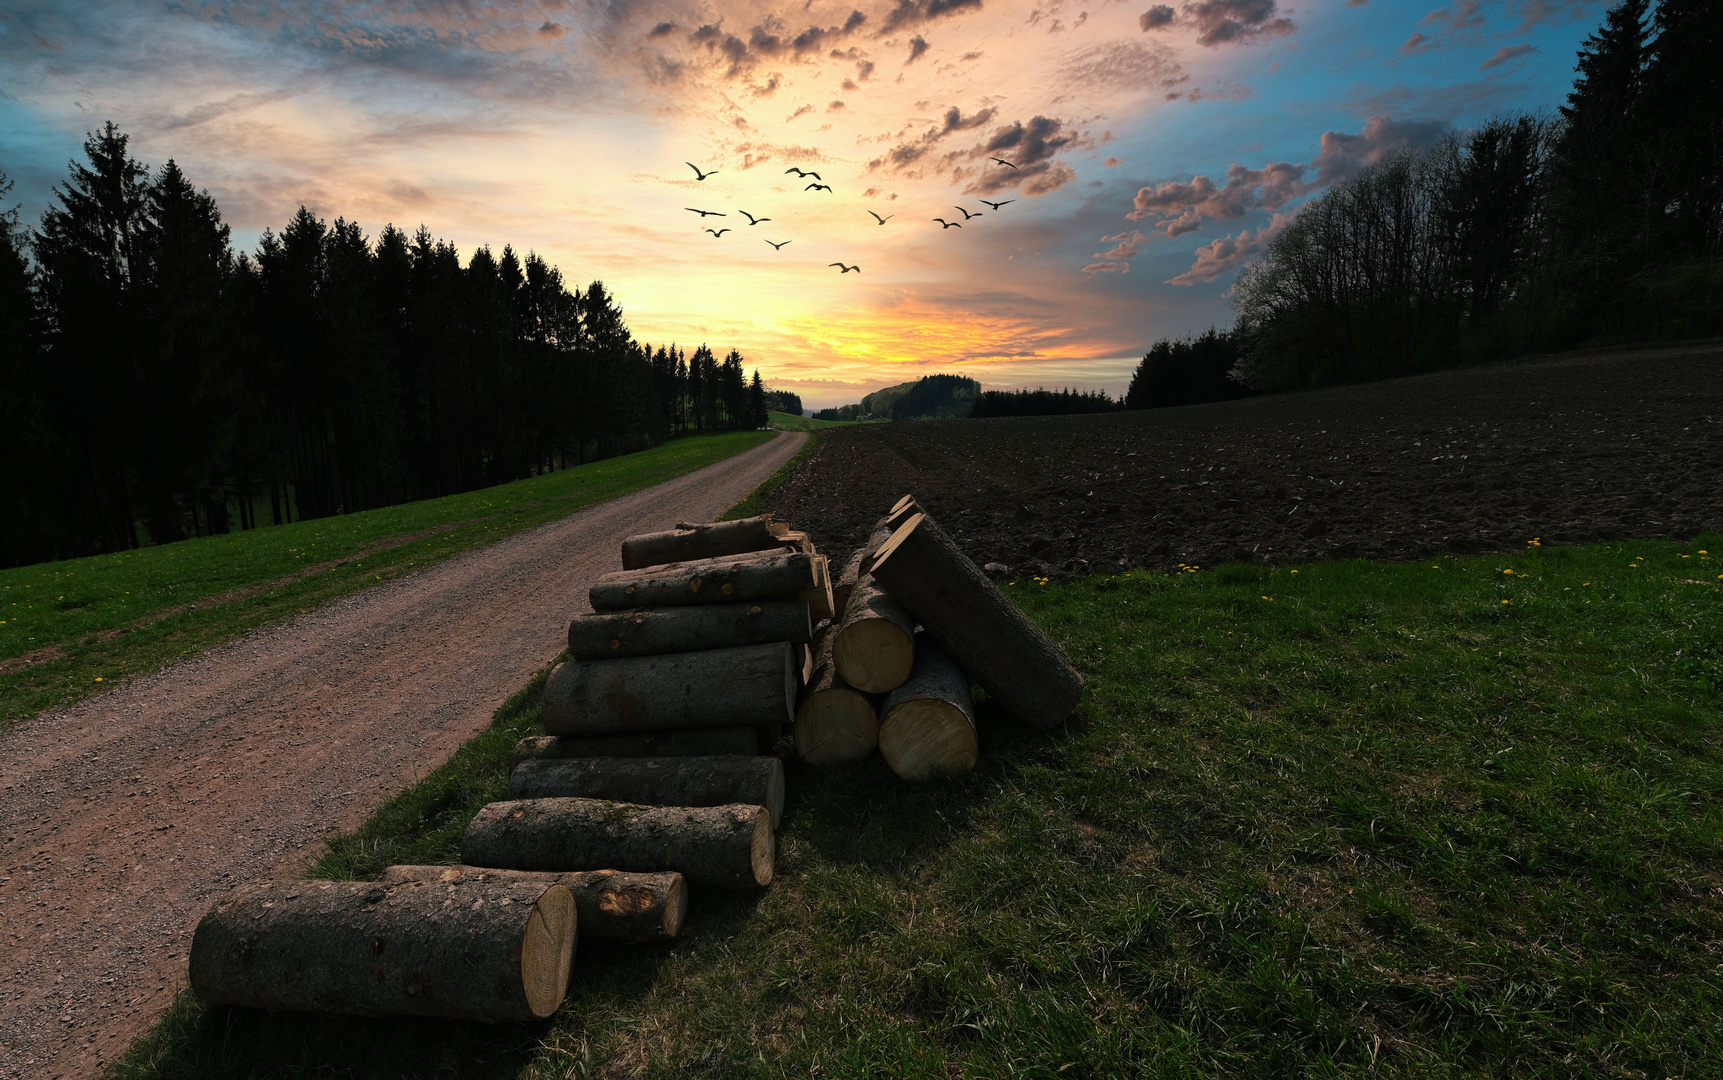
point(705, 213)
point(845, 269)
point(698, 175)
point(752, 220)
point(803, 175)
point(720, 232)
point(883, 220)
point(822, 187)
point(997, 205)
point(949, 224)
point(777, 246)
point(1002, 161)
point(966, 214)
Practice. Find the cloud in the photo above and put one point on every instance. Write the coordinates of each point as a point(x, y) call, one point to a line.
point(1533, 12)
point(803, 110)
point(836, 106)
point(1219, 22)
point(1123, 65)
point(663, 29)
point(1112, 163)
point(1229, 252)
point(1156, 18)
point(1506, 53)
point(911, 13)
point(1182, 206)
point(1342, 155)
point(905, 154)
point(1455, 17)
point(1124, 250)
point(1417, 43)
point(1107, 268)
point(552, 30)
point(1031, 147)
point(917, 46)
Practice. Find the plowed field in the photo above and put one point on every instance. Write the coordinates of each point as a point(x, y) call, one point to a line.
point(1564, 450)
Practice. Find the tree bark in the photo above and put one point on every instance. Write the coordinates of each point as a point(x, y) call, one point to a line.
point(708, 581)
point(971, 619)
point(856, 566)
point(819, 597)
point(875, 647)
point(688, 629)
point(751, 684)
point(704, 541)
point(835, 724)
point(462, 950)
point(612, 905)
point(719, 847)
point(927, 727)
point(695, 742)
point(666, 781)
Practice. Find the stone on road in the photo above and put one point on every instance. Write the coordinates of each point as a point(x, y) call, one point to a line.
point(123, 816)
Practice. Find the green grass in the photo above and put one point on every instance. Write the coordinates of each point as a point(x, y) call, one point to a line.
point(109, 616)
point(791, 422)
point(1431, 819)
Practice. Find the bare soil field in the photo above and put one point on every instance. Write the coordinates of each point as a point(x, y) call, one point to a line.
point(1570, 449)
point(123, 816)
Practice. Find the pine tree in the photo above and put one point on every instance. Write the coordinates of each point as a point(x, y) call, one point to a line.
point(86, 254)
point(1684, 93)
point(757, 403)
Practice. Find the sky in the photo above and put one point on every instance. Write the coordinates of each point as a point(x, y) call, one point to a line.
point(1140, 153)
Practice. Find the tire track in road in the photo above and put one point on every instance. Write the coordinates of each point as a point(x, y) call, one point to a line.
point(123, 816)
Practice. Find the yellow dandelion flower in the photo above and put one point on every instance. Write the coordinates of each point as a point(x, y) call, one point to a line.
point(1507, 601)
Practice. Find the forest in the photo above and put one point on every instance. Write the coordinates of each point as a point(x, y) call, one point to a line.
point(1529, 233)
point(159, 385)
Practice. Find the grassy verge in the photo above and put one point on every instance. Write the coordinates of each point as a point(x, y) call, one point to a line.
point(87, 622)
point(1454, 818)
point(790, 422)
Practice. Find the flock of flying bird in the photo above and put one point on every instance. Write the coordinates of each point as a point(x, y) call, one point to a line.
point(820, 185)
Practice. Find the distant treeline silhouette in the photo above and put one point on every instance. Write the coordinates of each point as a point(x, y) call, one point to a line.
point(157, 385)
point(784, 401)
point(1527, 233)
point(1042, 402)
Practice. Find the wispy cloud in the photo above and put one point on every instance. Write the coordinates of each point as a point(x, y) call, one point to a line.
point(1506, 53)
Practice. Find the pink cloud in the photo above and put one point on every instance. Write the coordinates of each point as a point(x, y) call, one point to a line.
point(1229, 252)
point(1107, 268)
point(1506, 53)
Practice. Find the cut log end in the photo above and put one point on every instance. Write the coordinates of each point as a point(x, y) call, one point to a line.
point(835, 727)
point(547, 949)
point(925, 738)
point(874, 655)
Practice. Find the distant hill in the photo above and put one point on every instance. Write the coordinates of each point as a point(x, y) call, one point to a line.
point(929, 396)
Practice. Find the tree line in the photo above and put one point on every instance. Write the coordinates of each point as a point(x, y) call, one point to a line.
point(1527, 233)
point(159, 385)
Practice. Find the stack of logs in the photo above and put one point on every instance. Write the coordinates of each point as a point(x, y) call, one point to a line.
point(880, 679)
point(652, 770)
point(696, 655)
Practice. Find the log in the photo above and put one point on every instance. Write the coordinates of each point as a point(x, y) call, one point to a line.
point(874, 649)
point(835, 723)
point(705, 541)
point(710, 581)
point(666, 781)
point(819, 597)
point(688, 629)
point(695, 742)
point(927, 727)
point(750, 684)
point(718, 847)
point(971, 619)
point(493, 952)
point(612, 905)
point(857, 563)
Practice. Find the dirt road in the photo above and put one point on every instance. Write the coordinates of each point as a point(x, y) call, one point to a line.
point(122, 817)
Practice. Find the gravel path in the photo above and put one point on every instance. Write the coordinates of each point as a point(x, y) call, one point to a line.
point(122, 817)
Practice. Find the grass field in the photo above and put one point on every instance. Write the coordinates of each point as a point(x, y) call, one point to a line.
point(1461, 817)
point(88, 622)
point(791, 422)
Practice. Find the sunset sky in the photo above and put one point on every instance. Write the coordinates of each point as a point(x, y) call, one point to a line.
point(1158, 148)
